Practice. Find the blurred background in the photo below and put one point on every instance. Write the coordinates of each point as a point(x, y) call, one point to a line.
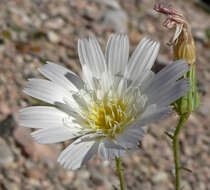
point(33, 31)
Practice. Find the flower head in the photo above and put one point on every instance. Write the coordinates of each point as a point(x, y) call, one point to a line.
point(182, 40)
point(106, 111)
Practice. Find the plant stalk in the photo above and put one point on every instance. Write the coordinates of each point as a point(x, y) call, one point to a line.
point(183, 118)
point(119, 172)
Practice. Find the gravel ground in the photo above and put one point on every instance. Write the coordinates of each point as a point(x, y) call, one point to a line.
point(34, 31)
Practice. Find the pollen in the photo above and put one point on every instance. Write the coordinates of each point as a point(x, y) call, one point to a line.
point(109, 116)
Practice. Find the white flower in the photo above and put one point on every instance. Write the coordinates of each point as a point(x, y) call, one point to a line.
point(106, 111)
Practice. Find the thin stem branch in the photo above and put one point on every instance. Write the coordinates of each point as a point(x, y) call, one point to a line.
point(183, 118)
point(119, 171)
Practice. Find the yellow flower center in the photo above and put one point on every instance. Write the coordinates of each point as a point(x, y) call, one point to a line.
point(108, 116)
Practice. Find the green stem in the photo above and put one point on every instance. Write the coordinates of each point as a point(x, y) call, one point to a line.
point(183, 118)
point(119, 171)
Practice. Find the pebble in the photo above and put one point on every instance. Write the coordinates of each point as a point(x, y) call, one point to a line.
point(7, 126)
point(204, 110)
point(114, 17)
point(116, 20)
point(83, 174)
point(6, 156)
point(200, 36)
point(12, 186)
point(53, 37)
point(96, 177)
point(159, 177)
point(24, 139)
point(54, 24)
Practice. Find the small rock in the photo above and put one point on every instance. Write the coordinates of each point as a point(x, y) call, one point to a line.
point(116, 20)
point(110, 3)
point(12, 186)
point(202, 88)
point(134, 36)
point(47, 153)
point(35, 174)
point(96, 177)
point(54, 24)
point(206, 74)
point(53, 37)
point(7, 126)
point(91, 13)
point(83, 174)
point(159, 177)
point(163, 60)
point(186, 185)
point(200, 36)
point(6, 156)
point(23, 138)
point(114, 17)
point(204, 110)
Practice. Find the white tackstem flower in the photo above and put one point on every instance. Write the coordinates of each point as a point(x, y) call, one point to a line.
point(107, 110)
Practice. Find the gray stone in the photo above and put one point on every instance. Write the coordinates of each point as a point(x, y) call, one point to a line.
point(56, 23)
point(83, 174)
point(116, 20)
point(114, 17)
point(204, 110)
point(159, 177)
point(200, 36)
point(12, 186)
point(96, 177)
point(6, 156)
point(7, 126)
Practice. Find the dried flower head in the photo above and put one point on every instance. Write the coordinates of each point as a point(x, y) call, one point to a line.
point(182, 40)
point(107, 110)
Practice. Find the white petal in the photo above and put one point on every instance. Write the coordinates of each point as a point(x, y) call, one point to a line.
point(168, 75)
point(148, 79)
point(107, 81)
point(171, 92)
point(130, 136)
point(142, 59)
point(108, 149)
point(117, 52)
point(90, 54)
point(56, 134)
point(80, 101)
point(152, 114)
point(122, 87)
point(67, 108)
point(87, 76)
point(46, 91)
point(41, 117)
point(91, 136)
point(77, 154)
point(97, 55)
point(143, 79)
point(61, 76)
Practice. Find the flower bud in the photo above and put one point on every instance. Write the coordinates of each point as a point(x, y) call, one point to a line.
point(183, 48)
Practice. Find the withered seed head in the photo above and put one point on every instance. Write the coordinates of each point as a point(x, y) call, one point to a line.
point(182, 40)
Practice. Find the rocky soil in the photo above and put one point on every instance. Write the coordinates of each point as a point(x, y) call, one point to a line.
point(34, 31)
